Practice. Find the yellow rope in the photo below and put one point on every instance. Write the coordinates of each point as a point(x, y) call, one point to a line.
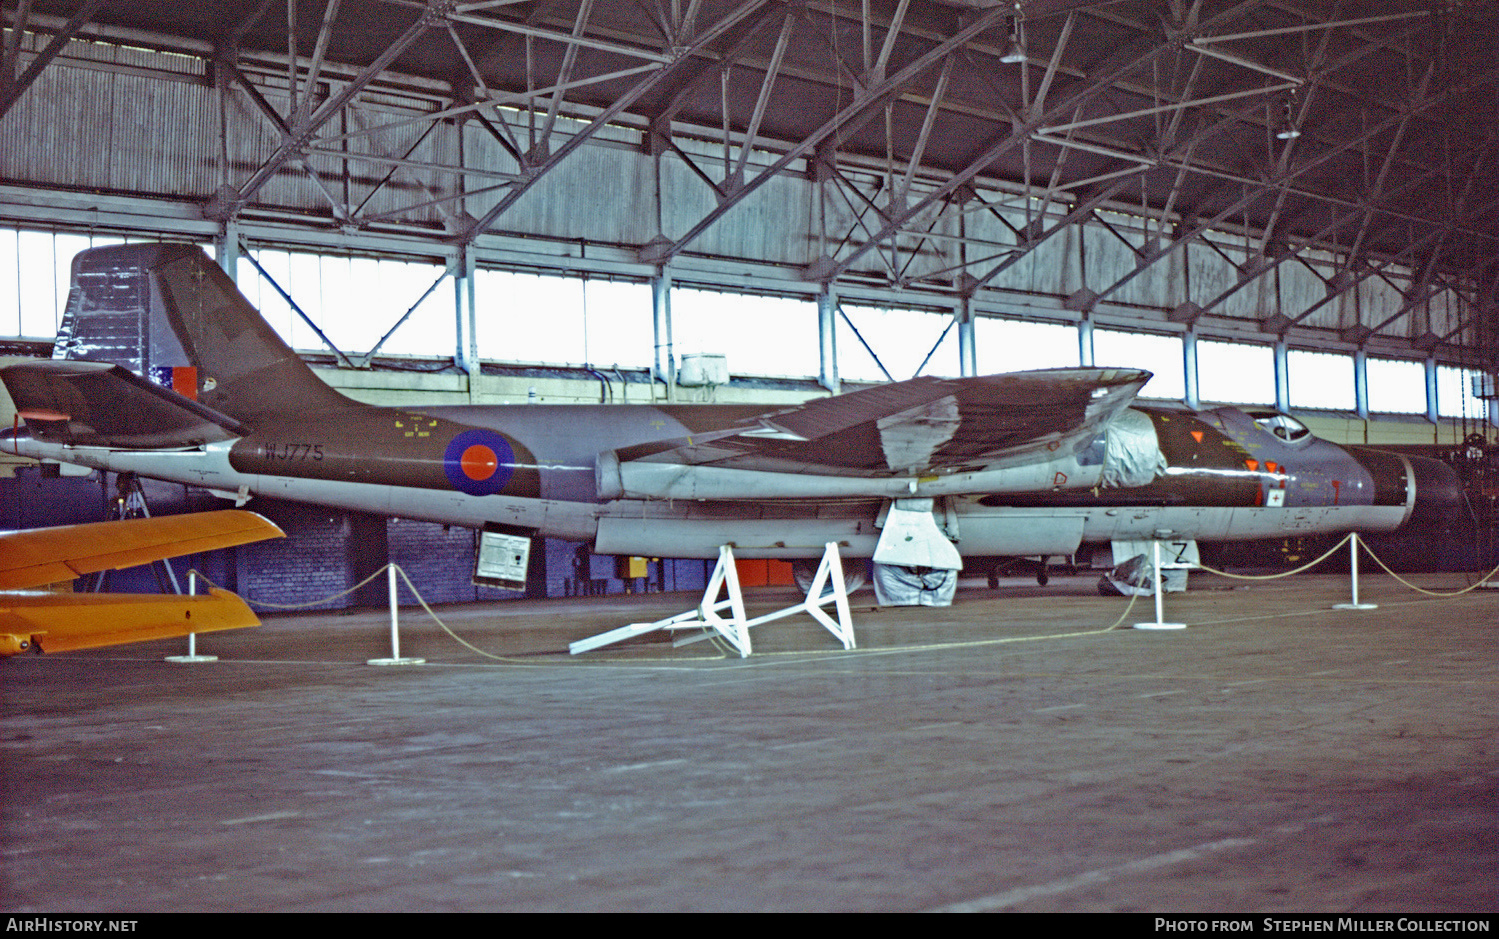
point(1430, 593)
point(294, 606)
point(1305, 567)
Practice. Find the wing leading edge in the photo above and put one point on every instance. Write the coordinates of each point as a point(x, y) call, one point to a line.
point(52, 555)
point(1024, 430)
point(38, 620)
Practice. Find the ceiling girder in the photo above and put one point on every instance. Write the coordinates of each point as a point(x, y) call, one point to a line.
point(1132, 62)
point(1318, 241)
point(14, 87)
point(1283, 177)
point(684, 56)
point(862, 104)
point(433, 13)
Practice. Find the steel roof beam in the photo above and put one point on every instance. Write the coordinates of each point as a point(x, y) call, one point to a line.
point(222, 210)
point(14, 87)
point(1132, 63)
point(564, 76)
point(1282, 177)
point(433, 13)
point(1317, 242)
point(314, 67)
point(735, 175)
point(678, 64)
point(865, 101)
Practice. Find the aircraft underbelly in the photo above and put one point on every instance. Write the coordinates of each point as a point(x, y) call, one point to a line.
point(693, 529)
point(1238, 523)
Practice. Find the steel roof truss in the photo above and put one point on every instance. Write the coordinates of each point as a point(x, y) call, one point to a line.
point(15, 87)
point(735, 175)
point(433, 13)
point(1130, 62)
point(624, 100)
point(863, 104)
point(1281, 178)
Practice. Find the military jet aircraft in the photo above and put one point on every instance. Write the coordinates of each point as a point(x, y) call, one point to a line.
point(34, 620)
point(915, 475)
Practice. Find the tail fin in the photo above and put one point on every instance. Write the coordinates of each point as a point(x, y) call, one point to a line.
point(151, 307)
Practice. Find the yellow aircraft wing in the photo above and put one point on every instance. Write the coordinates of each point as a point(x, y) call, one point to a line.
point(52, 555)
point(56, 622)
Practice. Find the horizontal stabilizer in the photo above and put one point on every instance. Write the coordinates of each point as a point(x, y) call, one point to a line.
point(52, 555)
point(102, 405)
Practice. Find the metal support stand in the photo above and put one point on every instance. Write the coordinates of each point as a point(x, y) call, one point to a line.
point(735, 628)
point(395, 629)
point(129, 503)
point(1155, 564)
point(1353, 579)
point(192, 638)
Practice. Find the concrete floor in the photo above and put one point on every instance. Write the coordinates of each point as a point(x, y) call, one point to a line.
point(1008, 753)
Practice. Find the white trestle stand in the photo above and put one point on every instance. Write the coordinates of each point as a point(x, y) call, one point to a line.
point(735, 628)
point(1353, 566)
point(395, 630)
point(192, 638)
point(1155, 564)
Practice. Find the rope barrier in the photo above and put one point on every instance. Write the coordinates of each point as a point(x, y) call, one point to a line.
point(343, 593)
point(296, 606)
point(1366, 550)
point(1430, 593)
point(724, 650)
point(1305, 567)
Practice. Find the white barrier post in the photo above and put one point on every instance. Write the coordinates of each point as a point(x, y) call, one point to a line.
point(1353, 578)
point(395, 628)
point(192, 638)
point(1155, 563)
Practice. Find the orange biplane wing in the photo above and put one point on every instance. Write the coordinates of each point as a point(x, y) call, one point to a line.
point(54, 622)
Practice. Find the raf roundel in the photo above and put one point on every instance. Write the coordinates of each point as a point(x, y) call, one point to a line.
point(478, 462)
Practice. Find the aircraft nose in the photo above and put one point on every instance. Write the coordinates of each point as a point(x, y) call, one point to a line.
point(1441, 504)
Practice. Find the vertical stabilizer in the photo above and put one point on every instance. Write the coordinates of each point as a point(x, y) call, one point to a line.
point(167, 312)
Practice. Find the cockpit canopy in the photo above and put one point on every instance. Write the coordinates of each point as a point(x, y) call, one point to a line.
point(1283, 426)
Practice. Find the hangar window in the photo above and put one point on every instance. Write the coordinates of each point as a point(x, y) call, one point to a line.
point(1003, 345)
point(355, 301)
point(547, 320)
point(1397, 386)
point(617, 317)
point(767, 336)
point(1235, 372)
point(1161, 355)
point(1322, 380)
point(35, 268)
point(1455, 397)
point(907, 343)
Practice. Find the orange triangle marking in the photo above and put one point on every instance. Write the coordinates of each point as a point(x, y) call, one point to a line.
point(1197, 436)
point(1253, 465)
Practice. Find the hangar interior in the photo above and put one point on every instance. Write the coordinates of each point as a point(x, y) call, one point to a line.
point(1287, 204)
